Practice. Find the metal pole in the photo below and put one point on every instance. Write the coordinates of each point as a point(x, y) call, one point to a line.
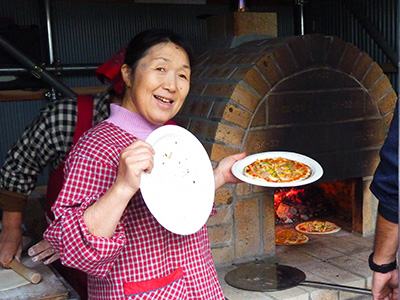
point(52, 93)
point(62, 69)
point(36, 70)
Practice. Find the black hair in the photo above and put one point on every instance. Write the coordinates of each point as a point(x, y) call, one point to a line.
point(139, 46)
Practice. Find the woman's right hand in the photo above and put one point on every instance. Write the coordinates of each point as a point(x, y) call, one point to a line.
point(135, 159)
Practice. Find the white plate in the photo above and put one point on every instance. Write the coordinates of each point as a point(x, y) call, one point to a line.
point(180, 190)
point(316, 169)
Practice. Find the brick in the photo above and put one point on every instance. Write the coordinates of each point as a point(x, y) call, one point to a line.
point(256, 81)
point(388, 120)
point(268, 221)
point(382, 87)
point(236, 116)
point(219, 151)
point(219, 90)
point(301, 52)
point(218, 109)
point(219, 57)
point(269, 69)
point(245, 97)
point(242, 189)
point(285, 59)
point(239, 73)
point(223, 195)
point(203, 128)
point(197, 88)
point(244, 58)
point(262, 23)
point(247, 223)
point(318, 46)
point(220, 235)
point(335, 51)
point(229, 134)
point(223, 255)
point(362, 66)
point(197, 106)
point(388, 103)
point(374, 73)
point(259, 117)
point(224, 216)
point(182, 121)
point(218, 72)
point(349, 57)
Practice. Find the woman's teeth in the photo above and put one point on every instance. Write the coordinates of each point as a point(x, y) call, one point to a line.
point(163, 99)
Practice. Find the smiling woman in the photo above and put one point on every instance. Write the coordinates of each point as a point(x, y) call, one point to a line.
point(102, 225)
point(159, 84)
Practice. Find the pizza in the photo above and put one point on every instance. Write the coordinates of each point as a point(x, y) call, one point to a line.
point(317, 227)
point(277, 169)
point(290, 237)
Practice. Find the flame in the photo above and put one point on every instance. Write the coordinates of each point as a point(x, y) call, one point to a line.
point(292, 194)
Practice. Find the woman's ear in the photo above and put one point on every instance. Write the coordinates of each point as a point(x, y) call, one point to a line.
point(126, 73)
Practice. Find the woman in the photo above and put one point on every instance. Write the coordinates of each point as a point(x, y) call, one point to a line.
point(102, 225)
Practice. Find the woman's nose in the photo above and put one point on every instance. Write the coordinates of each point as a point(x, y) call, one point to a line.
point(170, 83)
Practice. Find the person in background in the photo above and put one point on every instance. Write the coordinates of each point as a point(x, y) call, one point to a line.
point(46, 141)
point(132, 256)
point(384, 186)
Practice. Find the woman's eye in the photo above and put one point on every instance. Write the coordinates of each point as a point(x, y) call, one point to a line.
point(183, 76)
point(161, 69)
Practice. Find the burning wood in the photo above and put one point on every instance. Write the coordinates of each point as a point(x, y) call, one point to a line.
point(300, 204)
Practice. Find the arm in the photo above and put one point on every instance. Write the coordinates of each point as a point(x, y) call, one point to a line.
point(134, 159)
point(385, 250)
point(79, 233)
point(10, 237)
point(40, 144)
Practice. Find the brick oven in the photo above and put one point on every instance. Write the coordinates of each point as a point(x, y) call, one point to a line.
point(316, 95)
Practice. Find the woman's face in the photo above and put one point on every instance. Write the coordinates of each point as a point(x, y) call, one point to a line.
point(160, 83)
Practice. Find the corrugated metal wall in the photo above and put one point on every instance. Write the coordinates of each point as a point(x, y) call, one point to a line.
point(332, 17)
point(91, 31)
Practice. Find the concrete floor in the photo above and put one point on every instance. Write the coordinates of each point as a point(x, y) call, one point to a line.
point(340, 258)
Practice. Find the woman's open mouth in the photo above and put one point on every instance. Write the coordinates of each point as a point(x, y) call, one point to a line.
point(164, 100)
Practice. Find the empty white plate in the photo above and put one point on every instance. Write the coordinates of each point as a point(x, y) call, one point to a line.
point(180, 190)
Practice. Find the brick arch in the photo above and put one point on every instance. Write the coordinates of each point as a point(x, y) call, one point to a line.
point(234, 90)
point(228, 84)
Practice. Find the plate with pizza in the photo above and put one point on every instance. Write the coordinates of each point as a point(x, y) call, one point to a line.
point(317, 227)
point(179, 191)
point(278, 169)
point(288, 237)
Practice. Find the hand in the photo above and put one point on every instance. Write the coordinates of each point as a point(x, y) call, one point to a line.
point(10, 238)
point(134, 159)
point(223, 174)
point(10, 245)
point(43, 251)
point(385, 285)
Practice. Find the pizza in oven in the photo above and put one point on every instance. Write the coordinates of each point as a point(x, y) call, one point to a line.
point(277, 169)
point(289, 237)
point(317, 227)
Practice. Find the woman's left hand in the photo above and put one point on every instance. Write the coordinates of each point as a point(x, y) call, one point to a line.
point(223, 173)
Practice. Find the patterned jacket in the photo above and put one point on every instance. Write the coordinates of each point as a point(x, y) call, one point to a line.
point(45, 142)
point(142, 260)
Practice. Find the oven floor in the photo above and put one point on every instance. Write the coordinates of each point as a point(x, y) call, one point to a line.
point(340, 258)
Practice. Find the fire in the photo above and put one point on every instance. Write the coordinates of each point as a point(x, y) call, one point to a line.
point(294, 194)
point(300, 204)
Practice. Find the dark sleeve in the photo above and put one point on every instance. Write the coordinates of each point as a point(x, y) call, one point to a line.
point(385, 182)
point(45, 141)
